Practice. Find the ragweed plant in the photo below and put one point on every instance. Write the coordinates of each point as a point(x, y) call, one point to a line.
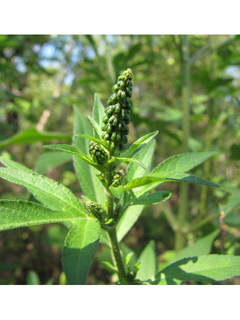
point(117, 182)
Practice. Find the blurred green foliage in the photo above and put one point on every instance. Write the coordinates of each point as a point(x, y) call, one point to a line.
point(42, 77)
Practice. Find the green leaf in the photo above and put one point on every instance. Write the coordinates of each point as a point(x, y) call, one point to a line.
point(167, 176)
point(52, 194)
point(233, 202)
point(92, 138)
point(182, 162)
point(201, 247)
point(117, 191)
point(98, 111)
point(128, 258)
point(49, 160)
point(72, 150)
point(33, 278)
point(80, 246)
point(148, 266)
point(232, 219)
point(204, 268)
point(139, 143)
point(175, 166)
point(14, 165)
point(129, 217)
point(32, 135)
point(96, 126)
point(21, 213)
point(109, 267)
point(132, 213)
point(62, 147)
point(91, 185)
point(150, 199)
point(145, 156)
point(104, 238)
point(120, 159)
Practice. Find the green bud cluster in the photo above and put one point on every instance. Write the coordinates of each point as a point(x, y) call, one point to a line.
point(97, 210)
point(117, 178)
point(98, 153)
point(117, 115)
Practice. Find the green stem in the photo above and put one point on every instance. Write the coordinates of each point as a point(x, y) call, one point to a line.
point(110, 197)
point(110, 204)
point(169, 215)
point(117, 255)
point(182, 213)
point(199, 224)
point(207, 164)
point(209, 47)
point(181, 218)
point(185, 92)
point(112, 231)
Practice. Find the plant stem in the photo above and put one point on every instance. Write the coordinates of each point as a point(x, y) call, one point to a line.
point(110, 205)
point(169, 216)
point(185, 92)
point(210, 46)
point(207, 164)
point(112, 231)
point(199, 224)
point(181, 218)
point(117, 254)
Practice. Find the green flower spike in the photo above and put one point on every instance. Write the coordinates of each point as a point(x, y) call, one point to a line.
point(97, 211)
point(117, 115)
point(98, 153)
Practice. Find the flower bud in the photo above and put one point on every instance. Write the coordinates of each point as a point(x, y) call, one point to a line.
point(117, 178)
point(98, 153)
point(117, 115)
point(96, 210)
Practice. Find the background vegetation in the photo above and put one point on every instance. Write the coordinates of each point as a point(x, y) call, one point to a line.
point(187, 87)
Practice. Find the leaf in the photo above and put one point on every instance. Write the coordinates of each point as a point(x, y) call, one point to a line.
point(32, 135)
point(62, 147)
point(200, 247)
point(233, 202)
point(96, 126)
point(179, 164)
point(182, 162)
point(148, 266)
point(72, 150)
point(235, 152)
point(49, 160)
point(211, 267)
point(33, 278)
point(91, 185)
point(49, 192)
point(21, 213)
point(139, 143)
point(80, 246)
point(104, 238)
point(117, 191)
point(131, 214)
point(14, 165)
point(115, 159)
point(167, 176)
point(129, 217)
point(92, 138)
point(98, 111)
point(109, 267)
point(145, 156)
point(232, 219)
point(150, 199)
